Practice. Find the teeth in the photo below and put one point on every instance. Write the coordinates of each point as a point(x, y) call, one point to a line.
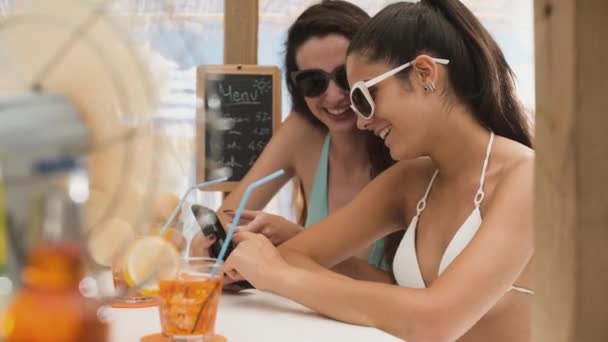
point(337, 111)
point(383, 133)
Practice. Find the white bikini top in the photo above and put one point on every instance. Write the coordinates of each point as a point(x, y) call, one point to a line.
point(405, 264)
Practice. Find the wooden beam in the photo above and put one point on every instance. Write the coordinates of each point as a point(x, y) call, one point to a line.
point(571, 259)
point(241, 22)
point(241, 31)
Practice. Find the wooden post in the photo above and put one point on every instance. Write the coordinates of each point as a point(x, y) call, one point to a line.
point(571, 259)
point(241, 21)
point(241, 31)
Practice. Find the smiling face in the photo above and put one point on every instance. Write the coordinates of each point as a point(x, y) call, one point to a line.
point(405, 114)
point(332, 106)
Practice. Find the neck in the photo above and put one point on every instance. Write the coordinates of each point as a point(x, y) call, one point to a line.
point(349, 150)
point(460, 148)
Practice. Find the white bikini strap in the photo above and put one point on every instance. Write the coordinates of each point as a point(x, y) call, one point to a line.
point(522, 289)
point(422, 203)
point(480, 194)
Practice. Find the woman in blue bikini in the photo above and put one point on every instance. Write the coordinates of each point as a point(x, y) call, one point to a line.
point(319, 143)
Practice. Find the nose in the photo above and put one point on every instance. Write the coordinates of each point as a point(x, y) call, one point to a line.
point(334, 94)
point(364, 124)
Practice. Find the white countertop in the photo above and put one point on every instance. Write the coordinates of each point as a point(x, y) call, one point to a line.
point(252, 316)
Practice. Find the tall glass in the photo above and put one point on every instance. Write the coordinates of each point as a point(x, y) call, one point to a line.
point(189, 299)
point(128, 288)
point(125, 293)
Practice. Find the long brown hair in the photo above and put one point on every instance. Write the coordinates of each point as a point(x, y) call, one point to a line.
point(320, 20)
point(478, 71)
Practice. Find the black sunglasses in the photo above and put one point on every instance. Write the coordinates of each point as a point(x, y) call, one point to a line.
point(314, 82)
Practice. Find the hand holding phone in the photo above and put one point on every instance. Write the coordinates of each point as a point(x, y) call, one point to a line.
point(212, 229)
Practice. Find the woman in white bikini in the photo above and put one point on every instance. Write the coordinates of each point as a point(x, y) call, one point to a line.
point(432, 83)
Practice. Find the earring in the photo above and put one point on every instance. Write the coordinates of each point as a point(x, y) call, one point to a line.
point(427, 88)
point(432, 86)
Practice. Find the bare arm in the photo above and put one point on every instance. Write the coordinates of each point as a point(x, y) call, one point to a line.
point(375, 212)
point(461, 296)
point(278, 154)
point(369, 216)
point(352, 268)
point(361, 270)
point(292, 136)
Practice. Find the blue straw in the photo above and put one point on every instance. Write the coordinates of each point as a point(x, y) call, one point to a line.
point(183, 199)
point(238, 213)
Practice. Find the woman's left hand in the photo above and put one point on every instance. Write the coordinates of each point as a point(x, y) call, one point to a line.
point(276, 228)
point(256, 260)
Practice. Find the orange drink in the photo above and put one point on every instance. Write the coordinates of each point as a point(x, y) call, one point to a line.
point(188, 301)
point(49, 306)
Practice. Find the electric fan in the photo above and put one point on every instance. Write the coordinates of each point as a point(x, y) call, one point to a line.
point(76, 89)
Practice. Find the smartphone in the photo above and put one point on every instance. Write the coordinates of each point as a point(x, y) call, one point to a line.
point(211, 227)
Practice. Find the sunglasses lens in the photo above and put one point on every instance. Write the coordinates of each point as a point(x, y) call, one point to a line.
point(312, 83)
point(360, 102)
point(341, 79)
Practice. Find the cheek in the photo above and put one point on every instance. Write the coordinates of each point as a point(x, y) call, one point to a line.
point(407, 116)
point(405, 111)
point(313, 105)
point(413, 126)
point(392, 107)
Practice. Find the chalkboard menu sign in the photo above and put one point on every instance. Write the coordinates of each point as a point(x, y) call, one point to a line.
point(239, 113)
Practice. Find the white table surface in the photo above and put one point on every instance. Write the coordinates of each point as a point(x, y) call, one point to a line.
point(252, 316)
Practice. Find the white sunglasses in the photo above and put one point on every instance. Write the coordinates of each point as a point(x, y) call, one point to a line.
point(361, 100)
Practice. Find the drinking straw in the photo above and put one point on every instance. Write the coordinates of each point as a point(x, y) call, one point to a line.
point(183, 199)
point(238, 213)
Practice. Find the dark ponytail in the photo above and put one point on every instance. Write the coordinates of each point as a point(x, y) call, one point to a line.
point(478, 71)
point(497, 105)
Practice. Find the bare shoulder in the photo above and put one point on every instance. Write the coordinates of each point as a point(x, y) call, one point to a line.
point(510, 210)
point(301, 138)
point(517, 160)
point(299, 129)
point(296, 139)
point(515, 177)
